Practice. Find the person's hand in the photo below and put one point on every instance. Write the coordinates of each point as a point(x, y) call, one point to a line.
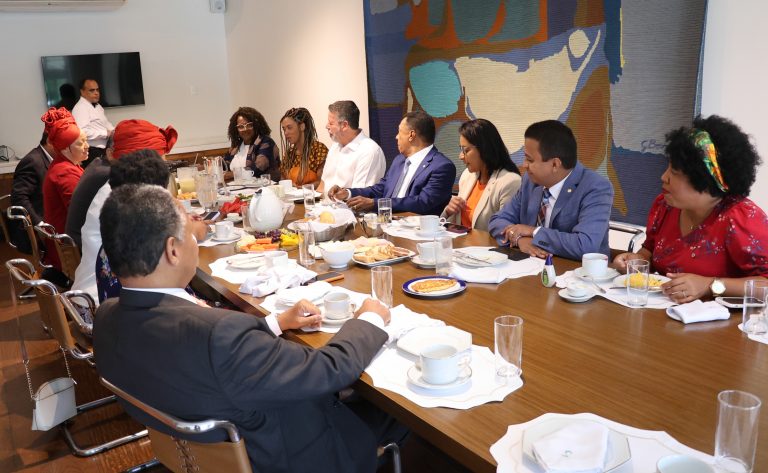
point(512, 233)
point(526, 246)
point(620, 261)
point(686, 287)
point(199, 227)
point(371, 305)
point(360, 203)
point(337, 193)
point(302, 314)
point(456, 205)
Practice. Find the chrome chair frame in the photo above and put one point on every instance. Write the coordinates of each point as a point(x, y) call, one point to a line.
point(4, 219)
point(639, 233)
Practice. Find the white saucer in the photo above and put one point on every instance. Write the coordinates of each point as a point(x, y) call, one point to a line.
point(414, 377)
point(564, 294)
point(610, 273)
point(423, 263)
point(246, 261)
point(424, 234)
point(335, 322)
point(234, 220)
point(231, 239)
point(409, 222)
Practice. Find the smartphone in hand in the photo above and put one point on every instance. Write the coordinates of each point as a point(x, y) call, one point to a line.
point(456, 228)
point(211, 216)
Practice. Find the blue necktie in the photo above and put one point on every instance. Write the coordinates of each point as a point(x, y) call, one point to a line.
point(542, 217)
point(400, 181)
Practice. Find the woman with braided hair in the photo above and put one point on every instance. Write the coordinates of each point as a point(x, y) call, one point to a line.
point(304, 156)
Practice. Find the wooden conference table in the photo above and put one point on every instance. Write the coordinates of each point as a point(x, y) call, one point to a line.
point(634, 366)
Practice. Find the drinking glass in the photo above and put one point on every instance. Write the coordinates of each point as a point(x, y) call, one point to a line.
point(443, 255)
point(385, 211)
point(508, 346)
point(637, 282)
point(736, 435)
point(381, 284)
point(207, 193)
point(186, 178)
point(754, 319)
point(309, 199)
point(306, 242)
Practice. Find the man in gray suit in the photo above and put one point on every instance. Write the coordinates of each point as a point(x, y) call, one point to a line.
point(562, 208)
point(157, 343)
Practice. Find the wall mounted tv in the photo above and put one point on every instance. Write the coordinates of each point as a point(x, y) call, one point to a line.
point(118, 75)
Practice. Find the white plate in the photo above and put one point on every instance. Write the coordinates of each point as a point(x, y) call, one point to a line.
point(246, 261)
point(413, 342)
point(423, 263)
point(414, 377)
point(387, 261)
point(440, 231)
point(457, 287)
point(231, 239)
point(564, 294)
point(618, 446)
point(489, 258)
point(621, 281)
point(234, 220)
point(610, 273)
point(409, 222)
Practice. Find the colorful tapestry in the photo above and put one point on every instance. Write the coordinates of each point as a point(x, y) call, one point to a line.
point(621, 74)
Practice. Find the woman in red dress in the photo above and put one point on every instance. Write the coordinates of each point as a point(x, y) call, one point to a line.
point(703, 231)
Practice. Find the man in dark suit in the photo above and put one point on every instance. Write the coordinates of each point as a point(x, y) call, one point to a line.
point(157, 343)
point(420, 179)
point(27, 190)
point(562, 207)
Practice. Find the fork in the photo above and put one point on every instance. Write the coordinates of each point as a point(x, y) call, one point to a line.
point(597, 286)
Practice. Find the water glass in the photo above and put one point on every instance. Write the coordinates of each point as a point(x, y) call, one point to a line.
point(508, 346)
point(736, 436)
point(443, 255)
point(207, 192)
point(381, 284)
point(385, 211)
point(754, 319)
point(637, 282)
point(306, 243)
point(309, 199)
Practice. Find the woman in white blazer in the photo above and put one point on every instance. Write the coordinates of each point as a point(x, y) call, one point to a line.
point(490, 179)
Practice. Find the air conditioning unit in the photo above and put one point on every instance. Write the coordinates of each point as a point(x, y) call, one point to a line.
point(59, 5)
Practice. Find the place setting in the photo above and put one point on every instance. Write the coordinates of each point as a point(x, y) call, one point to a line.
point(224, 233)
point(429, 227)
point(488, 265)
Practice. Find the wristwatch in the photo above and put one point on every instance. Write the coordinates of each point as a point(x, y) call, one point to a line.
point(717, 287)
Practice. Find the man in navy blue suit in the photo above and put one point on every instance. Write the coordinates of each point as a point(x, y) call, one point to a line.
point(562, 207)
point(420, 179)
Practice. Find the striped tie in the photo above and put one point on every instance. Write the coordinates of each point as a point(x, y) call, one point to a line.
point(542, 217)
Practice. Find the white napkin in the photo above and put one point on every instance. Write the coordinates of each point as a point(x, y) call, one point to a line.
point(395, 229)
point(618, 295)
point(268, 280)
point(312, 292)
point(496, 274)
point(221, 269)
point(579, 447)
point(698, 311)
point(404, 320)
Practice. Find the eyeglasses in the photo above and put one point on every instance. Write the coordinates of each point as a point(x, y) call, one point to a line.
point(465, 149)
point(245, 126)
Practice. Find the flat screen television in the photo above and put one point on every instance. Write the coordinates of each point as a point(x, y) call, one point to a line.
point(118, 75)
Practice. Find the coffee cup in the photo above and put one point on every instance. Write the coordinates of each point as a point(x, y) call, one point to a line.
point(682, 464)
point(426, 251)
point(286, 184)
point(276, 258)
point(594, 265)
point(430, 223)
point(337, 305)
point(242, 174)
point(577, 289)
point(441, 364)
point(224, 229)
point(233, 216)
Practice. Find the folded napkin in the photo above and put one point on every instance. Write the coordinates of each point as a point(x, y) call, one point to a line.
point(396, 229)
point(268, 280)
point(579, 447)
point(698, 311)
point(404, 320)
point(496, 274)
point(221, 269)
point(312, 292)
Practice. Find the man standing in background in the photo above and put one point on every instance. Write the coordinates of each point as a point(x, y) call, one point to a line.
point(90, 117)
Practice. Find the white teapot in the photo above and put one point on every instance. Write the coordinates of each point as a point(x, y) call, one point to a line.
point(265, 211)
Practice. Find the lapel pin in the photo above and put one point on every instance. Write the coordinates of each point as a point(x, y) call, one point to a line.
point(570, 190)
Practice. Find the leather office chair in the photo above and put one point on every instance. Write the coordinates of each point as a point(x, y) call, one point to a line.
point(69, 253)
point(54, 310)
point(184, 456)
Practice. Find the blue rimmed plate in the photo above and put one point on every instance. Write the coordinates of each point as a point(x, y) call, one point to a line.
point(459, 286)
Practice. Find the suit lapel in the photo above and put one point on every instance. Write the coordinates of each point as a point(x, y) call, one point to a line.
point(395, 171)
point(422, 167)
point(532, 212)
point(484, 196)
point(569, 188)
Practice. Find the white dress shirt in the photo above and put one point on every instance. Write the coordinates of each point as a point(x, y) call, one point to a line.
point(93, 122)
point(238, 161)
point(360, 163)
point(415, 159)
point(554, 193)
point(90, 236)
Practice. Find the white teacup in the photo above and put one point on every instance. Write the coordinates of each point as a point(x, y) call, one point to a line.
point(441, 364)
point(242, 174)
point(427, 251)
point(276, 258)
point(337, 305)
point(430, 223)
point(224, 229)
point(233, 216)
point(286, 184)
point(682, 464)
point(594, 265)
point(577, 289)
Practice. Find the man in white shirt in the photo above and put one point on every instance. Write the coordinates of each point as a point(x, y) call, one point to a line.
point(91, 119)
point(354, 160)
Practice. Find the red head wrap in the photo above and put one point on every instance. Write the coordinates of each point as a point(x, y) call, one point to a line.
point(133, 135)
point(61, 127)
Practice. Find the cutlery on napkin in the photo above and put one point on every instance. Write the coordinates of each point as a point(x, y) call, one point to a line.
point(313, 292)
point(579, 447)
point(698, 311)
point(268, 280)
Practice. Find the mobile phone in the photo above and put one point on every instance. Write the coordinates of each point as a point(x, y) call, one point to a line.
point(737, 302)
point(456, 228)
point(211, 215)
point(513, 254)
point(330, 276)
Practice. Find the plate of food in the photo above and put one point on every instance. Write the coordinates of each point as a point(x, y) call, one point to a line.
point(378, 254)
point(654, 281)
point(191, 196)
point(434, 287)
point(268, 241)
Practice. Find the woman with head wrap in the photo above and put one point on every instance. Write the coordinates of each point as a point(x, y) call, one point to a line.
point(71, 146)
point(703, 231)
point(304, 155)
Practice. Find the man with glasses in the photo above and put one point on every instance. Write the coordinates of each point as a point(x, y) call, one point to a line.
point(354, 160)
point(90, 117)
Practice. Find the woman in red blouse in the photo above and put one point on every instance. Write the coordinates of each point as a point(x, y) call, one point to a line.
point(703, 231)
point(64, 173)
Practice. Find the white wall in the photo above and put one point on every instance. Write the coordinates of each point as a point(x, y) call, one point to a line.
point(182, 46)
point(297, 53)
point(735, 70)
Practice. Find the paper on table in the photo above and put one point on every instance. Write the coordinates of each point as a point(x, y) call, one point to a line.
point(389, 371)
point(656, 300)
point(496, 274)
point(647, 446)
point(698, 311)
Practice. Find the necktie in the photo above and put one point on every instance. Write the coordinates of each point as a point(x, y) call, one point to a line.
point(542, 217)
point(400, 181)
